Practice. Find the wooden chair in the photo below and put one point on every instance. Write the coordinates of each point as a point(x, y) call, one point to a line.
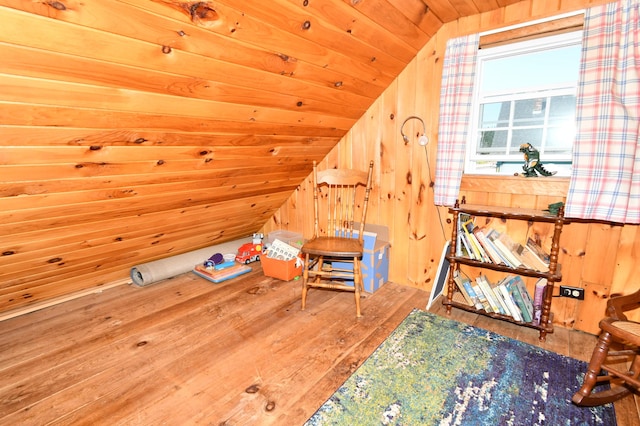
point(615, 357)
point(340, 198)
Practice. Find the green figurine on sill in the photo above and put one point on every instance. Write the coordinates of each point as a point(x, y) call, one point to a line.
point(532, 164)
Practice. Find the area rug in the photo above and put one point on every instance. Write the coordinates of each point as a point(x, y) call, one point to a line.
point(436, 371)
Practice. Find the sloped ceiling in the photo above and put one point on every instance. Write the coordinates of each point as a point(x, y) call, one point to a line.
point(136, 129)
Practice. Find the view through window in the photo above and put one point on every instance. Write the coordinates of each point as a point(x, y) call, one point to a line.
point(525, 93)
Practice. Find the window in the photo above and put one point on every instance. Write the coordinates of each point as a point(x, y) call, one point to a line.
point(525, 93)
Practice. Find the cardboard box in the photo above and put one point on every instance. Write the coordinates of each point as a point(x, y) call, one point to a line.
point(375, 260)
point(285, 270)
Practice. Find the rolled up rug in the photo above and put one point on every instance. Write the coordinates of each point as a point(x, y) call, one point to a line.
point(152, 272)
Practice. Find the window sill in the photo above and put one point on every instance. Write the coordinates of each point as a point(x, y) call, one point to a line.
point(551, 186)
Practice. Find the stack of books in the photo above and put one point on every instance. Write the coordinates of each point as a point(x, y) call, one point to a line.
point(488, 245)
point(508, 297)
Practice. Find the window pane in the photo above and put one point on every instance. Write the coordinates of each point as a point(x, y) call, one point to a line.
point(511, 74)
point(492, 141)
point(562, 110)
point(529, 112)
point(532, 136)
point(495, 114)
point(560, 139)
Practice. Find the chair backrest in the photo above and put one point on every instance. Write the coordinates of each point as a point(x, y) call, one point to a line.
point(340, 198)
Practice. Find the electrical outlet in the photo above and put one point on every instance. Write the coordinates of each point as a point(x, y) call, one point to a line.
point(572, 292)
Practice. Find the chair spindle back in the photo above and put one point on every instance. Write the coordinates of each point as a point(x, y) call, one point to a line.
point(344, 195)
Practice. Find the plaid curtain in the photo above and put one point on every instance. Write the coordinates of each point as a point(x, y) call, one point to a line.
point(605, 180)
point(456, 96)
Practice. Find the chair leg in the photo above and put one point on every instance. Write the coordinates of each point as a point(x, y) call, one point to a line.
point(357, 284)
point(585, 396)
point(305, 278)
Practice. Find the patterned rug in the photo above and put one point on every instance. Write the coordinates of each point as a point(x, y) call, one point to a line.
point(435, 371)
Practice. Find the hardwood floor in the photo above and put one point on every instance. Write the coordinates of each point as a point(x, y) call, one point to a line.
point(187, 351)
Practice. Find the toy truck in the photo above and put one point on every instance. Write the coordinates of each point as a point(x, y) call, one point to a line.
point(250, 252)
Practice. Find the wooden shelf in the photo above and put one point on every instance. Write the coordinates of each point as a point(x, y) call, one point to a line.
point(518, 271)
point(506, 212)
point(552, 276)
point(547, 329)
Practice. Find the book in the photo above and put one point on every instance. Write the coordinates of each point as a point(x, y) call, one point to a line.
point(483, 283)
point(459, 246)
point(504, 248)
point(504, 252)
point(467, 297)
point(526, 298)
point(466, 282)
point(537, 251)
point(538, 297)
point(219, 275)
point(492, 235)
point(466, 247)
point(511, 304)
point(504, 309)
point(488, 246)
point(513, 289)
point(478, 251)
point(531, 260)
point(481, 297)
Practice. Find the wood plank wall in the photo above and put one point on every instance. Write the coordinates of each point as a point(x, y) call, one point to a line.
point(601, 258)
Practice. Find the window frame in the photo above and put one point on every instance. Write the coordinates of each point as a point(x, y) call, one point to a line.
point(472, 158)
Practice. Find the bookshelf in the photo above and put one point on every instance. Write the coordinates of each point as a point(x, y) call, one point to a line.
point(552, 275)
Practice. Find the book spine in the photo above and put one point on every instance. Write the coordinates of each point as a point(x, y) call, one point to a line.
point(488, 247)
point(538, 251)
point(483, 300)
point(515, 311)
point(474, 244)
point(476, 301)
point(515, 293)
point(488, 293)
point(513, 261)
point(484, 256)
point(458, 280)
point(526, 297)
point(538, 297)
point(532, 260)
point(465, 243)
point(504, 309)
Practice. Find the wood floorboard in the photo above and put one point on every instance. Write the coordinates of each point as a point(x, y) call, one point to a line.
point(186, 351)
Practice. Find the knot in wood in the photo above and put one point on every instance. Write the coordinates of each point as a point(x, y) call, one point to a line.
point(252, 389)
point(57, 5)
point(201, 11)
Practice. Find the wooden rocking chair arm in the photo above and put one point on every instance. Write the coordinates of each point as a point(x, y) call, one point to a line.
point(618, 305)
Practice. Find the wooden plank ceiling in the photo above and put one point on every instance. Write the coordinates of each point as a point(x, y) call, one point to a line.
point(131, 130)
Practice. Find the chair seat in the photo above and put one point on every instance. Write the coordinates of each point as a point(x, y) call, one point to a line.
point(333, 246)
point(630, 327)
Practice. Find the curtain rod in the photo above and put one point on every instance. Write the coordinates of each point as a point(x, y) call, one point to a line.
point(529, 23)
